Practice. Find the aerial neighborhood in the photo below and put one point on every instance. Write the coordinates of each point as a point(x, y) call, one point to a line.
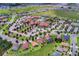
point(39, 30)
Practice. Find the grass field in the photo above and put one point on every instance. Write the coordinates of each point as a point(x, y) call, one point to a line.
point(45, 51)
point(3, 11)
point(20, 10)
point(36, 51)
point(60, 13)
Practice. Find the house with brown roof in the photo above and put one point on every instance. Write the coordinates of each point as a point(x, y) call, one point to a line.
point(64, 44)
point(37, 17)
point(37, 22)
point(40, 40)
point(28, 20)
point(25, 45)
point(34, 43)
point(48, 38)
point(43, 24)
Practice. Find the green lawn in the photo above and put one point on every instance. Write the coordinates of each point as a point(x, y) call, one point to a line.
point(60, 13)
point(35, 51)
point(4, 11)
point(67, 14)
point(44, 51)
point(24, 9)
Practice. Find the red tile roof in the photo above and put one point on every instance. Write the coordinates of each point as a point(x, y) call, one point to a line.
point(47, 35)
point(36, 17)
point(40, 40)
point(37, 22)
point(34, 43)
point(28, 20)
point(32, 22)
point(25, 45)
point(43, 24)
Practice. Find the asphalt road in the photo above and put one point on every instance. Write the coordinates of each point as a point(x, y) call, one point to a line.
point(73, 43)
